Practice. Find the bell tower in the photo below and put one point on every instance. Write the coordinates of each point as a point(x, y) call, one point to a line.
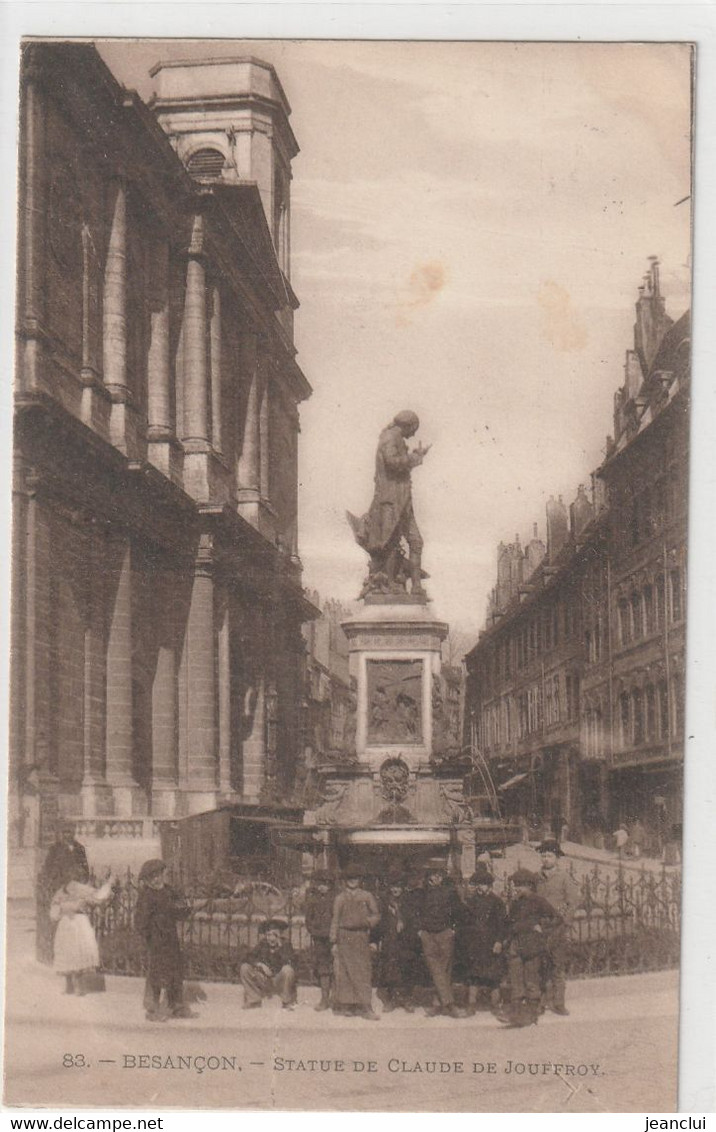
point(228, 120)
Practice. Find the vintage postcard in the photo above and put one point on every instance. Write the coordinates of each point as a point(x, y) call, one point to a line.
point(349, 558)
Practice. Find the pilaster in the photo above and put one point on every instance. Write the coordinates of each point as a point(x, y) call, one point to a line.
point(202, 764)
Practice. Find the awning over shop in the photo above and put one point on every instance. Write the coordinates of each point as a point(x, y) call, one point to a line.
point(516, 778)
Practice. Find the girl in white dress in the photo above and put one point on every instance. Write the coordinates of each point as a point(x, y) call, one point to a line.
point(76, 950)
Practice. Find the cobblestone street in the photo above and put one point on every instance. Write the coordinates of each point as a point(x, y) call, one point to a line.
point(616, 1052)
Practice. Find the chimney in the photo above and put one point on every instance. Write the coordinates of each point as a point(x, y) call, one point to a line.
point(581, 512)
point(557, 527)
point(652, 321)
point(534, 553)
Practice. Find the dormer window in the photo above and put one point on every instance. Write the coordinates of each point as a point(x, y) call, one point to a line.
point(206, 164)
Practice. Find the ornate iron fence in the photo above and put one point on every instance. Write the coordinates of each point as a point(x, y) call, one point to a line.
point(629, 922)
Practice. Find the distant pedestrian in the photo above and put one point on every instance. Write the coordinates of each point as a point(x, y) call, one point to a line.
point(560, 890)
point(76, 955)
point(637, 837)
point(440, 912)
point(66, 860)
point(396, 962)
point(270, 968)
point(355, 915)
point(480, 939)
point(530, 919)
point(159, 909)
point(319, 914)
point(621, 840)
point(557, 825)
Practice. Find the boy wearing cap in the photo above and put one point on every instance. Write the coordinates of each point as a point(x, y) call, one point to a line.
point(270, 968)
point(439, 914)
point(480, 937)
point(319, 913)
point(159, 909)
point(561, 891)
point(355, 915)
point(529, 921)
point(396, 964)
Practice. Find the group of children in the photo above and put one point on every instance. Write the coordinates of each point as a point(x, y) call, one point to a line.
point(419, 931)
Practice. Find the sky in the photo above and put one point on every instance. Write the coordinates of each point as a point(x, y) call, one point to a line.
point(470, 224)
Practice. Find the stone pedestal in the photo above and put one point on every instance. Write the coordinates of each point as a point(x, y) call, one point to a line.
point(394, 658)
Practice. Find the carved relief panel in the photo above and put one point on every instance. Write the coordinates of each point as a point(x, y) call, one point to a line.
point(395, 692)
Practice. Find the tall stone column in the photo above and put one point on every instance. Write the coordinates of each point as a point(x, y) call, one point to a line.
point(119, 735)
point(195, 427)
point(165, 707)
point(163, 449)
point(114, 316)
point(254, 747)
point(159, 403)
point(265, 435)
point(34, 228)
point(96, 794)
point(224, 698)
point(248, 469)
point(196, 423)
point(215, 351)
point(202, 767)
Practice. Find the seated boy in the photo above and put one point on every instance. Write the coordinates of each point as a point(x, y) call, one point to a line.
point(270, 968)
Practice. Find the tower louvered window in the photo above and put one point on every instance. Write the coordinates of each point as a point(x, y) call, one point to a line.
point(206, 164)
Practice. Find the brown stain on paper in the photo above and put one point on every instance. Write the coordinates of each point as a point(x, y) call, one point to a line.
point(561, 323)
point(425, 282)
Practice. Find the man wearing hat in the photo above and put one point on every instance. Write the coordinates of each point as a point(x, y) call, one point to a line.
point(529, 921)
point(355, 915)
point(66, 860)
point(270, 968)
point(159, 909)
point(480, 937)
point(440, 912)
point(319, 913)
point(396, 963)
point(564, 894)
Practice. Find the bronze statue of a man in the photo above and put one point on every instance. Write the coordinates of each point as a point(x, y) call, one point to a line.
point(391, 516)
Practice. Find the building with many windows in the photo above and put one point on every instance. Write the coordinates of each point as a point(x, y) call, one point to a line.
point(575, 689)
point(157, 600)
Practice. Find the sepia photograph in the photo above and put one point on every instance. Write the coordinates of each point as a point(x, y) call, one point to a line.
point(351, 454)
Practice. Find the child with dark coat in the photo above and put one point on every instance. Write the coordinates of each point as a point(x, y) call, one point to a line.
point(530, 920)
point(319, 913)
point(159, 909)
point(270, 968)
point(396, 961)
point(480, 938)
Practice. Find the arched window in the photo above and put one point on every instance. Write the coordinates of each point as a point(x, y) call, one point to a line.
point(650, 712)
point(624, 621)
point(206, 164)
point(637, 716)
point(677, 605)
point(625, 719)
point(649, 612)
point(636, 616)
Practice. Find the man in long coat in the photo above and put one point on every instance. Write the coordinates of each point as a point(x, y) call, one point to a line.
point(391, 516)
point(564, 894)
point(159, 909)
point(355, 915)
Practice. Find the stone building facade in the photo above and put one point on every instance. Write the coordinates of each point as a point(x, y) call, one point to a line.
point(575, 689)
point(157, 600)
